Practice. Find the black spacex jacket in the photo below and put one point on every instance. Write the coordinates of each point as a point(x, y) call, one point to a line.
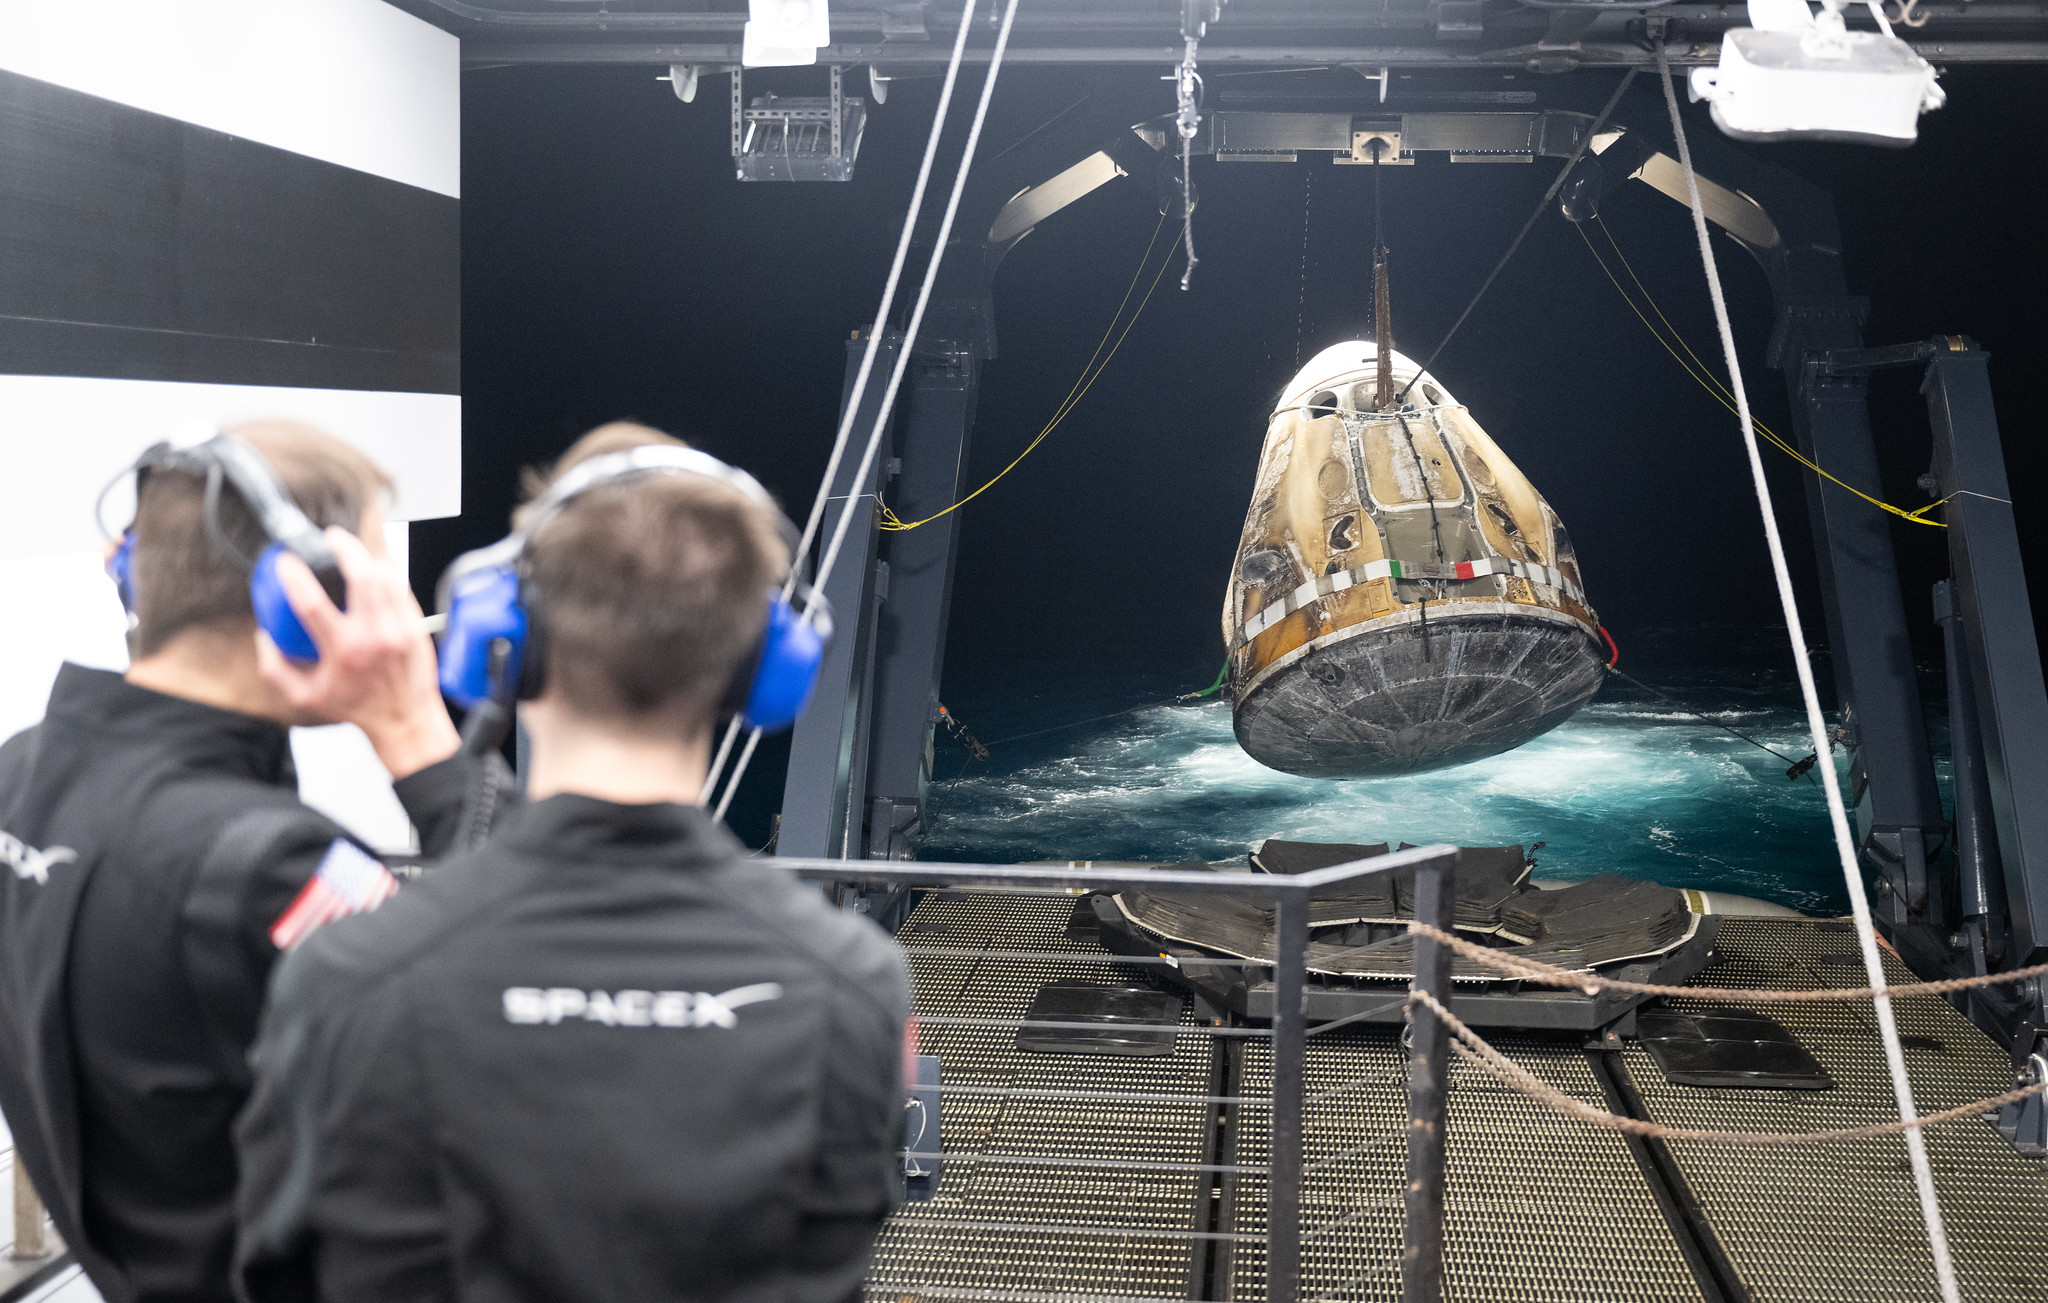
point(604, 1057)
point(151, 846)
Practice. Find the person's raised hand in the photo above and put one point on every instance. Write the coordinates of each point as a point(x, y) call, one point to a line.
point(376, 668)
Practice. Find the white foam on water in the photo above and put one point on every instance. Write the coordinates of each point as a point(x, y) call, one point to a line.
point(1619, 788)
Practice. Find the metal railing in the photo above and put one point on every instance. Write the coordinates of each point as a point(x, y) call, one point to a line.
point(1435, 868)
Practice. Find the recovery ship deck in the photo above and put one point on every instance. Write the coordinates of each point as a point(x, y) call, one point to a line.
point(1540, 1207)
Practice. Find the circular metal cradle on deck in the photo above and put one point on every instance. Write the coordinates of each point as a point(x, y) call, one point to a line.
point(1400, 696)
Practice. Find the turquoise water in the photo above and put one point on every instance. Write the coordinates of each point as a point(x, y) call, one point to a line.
point(1629, 785)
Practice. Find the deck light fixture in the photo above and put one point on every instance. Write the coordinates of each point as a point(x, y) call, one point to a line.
point(785, 33)
point(1795, 75)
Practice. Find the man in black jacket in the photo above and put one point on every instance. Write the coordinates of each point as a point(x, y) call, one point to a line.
point(161, 859)
point(607, 1055)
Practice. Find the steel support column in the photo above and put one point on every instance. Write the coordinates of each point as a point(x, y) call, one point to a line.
point(824, 796)
point(937, 418)
point(1980, 884)
point(1290, 1051)
point(1998, 626)
point(1891, 788)
point(1429, 1052)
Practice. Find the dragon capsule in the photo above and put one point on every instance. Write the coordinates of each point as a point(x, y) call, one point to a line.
point(1403, 599)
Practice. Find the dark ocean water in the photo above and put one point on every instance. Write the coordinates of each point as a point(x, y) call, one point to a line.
point(1630, 785)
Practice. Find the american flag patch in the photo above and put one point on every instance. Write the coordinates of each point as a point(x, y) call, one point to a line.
point(347, 882)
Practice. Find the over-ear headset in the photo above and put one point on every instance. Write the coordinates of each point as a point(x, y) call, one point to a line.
point(289, 530)
point(494, 645)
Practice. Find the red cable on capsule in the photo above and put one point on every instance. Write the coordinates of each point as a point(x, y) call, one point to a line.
point(1614, 659)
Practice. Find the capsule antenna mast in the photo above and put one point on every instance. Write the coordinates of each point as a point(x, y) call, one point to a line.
point(1384, 396)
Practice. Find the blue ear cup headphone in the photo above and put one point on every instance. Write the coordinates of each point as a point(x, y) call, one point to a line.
point(121, 569)
point(493, 647)
point(288, 528)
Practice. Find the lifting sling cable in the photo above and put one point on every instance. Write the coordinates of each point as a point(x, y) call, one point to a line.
point(924, 295)
point(1542, 204)
point(1089, 375)
point(1845, 845)
point(1188, 120)
point(867, 359)
point(1699, 371)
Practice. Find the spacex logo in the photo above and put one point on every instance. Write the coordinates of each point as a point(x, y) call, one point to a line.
point(554, 1004)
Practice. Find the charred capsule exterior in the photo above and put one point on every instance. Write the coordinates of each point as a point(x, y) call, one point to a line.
point(1403, 599)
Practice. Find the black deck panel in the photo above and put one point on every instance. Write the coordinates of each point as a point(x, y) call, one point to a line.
point(1540, 1208)
point(919, 1256)
point(1841, 1222)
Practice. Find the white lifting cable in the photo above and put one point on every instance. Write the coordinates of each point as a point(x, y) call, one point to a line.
point(830, 559)
point(867, 364)
point(1188, 87)
point(1845, 846)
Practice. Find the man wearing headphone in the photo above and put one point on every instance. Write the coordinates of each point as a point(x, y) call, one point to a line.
point(606, 1054)
point(160, 858)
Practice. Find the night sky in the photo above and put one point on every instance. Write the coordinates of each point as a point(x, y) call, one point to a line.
point(613, 267)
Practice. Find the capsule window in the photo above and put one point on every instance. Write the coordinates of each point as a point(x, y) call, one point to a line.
point(1434, 395)
point(1322, 404)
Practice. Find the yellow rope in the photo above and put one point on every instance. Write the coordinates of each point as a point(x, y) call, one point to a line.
point(1089, 375)
point(1701, 372)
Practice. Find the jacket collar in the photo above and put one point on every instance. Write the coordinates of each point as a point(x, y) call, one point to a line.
point(575, 827)
point(104, 703)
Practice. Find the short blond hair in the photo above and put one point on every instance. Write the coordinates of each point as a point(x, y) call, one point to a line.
point(183, 578)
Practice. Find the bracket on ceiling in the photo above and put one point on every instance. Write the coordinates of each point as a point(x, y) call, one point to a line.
point(797, 137)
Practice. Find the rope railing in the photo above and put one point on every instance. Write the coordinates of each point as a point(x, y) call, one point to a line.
point(1593, 983)
point(1473, 1048)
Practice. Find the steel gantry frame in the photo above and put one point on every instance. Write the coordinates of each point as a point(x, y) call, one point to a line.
point(866, 743)
point(908, 34)
point(860, 759)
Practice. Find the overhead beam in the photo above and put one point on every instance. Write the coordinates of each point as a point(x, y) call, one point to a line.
point(1596, 49)
point(1268, 33)
point(1278, 32)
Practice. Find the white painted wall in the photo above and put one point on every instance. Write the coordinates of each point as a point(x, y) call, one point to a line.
point(353, 82)
point(64, 609)
point(67, 436)
point(340, 775)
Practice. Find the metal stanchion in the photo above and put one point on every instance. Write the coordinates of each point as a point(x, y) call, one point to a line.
point(1429, 1052)
point(31, 1240)
point(1290, 1048)
point(1291, 896)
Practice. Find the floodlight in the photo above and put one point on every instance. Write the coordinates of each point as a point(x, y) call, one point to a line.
point(1792, 75)
point(785, 33)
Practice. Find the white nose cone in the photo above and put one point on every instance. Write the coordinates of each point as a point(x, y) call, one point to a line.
point(1342, 368)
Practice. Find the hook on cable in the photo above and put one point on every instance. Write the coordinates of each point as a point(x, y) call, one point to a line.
point(1195, 18)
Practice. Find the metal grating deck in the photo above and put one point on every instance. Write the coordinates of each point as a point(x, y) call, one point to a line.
point(922, 1253)
point(1840, 1222)
point(1539, 1209)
